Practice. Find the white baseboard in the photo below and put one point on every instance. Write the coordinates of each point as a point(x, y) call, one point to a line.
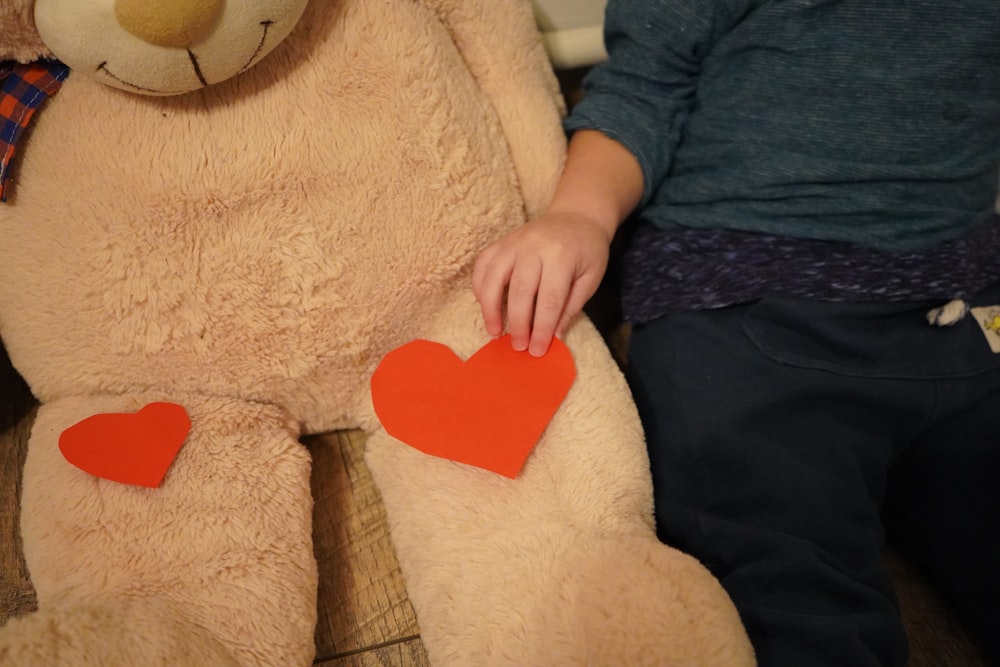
point(572, 31)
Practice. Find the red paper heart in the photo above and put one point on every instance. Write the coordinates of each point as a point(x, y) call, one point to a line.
point(135, 448)
point(488, 411)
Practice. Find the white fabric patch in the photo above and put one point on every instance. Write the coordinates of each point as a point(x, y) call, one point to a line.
point(948, 314)
point(988, 319)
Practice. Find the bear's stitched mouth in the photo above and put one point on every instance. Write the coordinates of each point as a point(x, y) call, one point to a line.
point(265, 26)
point(196, 68)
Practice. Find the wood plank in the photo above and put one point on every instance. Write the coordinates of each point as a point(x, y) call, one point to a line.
point(936, 636)
point(408, 653)
point(362, 599)
point(17, 596)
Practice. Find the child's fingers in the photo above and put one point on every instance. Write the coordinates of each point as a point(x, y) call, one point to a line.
point(489, 282)
point(522, 291)
point(553, 290)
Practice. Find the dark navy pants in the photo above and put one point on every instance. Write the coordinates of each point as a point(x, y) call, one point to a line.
point(788, 439)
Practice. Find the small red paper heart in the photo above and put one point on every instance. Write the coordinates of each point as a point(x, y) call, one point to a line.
point(489, 411)
point(135, 448)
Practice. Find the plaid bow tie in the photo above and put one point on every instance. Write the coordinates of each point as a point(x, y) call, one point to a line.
point(23, 88)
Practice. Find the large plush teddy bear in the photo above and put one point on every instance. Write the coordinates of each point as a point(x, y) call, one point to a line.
point(223, 244)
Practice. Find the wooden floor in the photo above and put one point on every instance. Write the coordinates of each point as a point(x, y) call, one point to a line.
point(377, 626)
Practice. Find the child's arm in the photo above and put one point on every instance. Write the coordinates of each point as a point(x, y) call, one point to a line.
point(551, 266)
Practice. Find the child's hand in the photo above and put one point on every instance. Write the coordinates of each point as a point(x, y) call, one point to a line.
point(548, 269)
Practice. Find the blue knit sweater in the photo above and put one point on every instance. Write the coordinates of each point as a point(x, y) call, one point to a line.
point(872, 124)
point(870, 121)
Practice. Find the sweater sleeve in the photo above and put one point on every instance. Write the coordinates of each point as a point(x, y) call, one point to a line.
point(641, 95)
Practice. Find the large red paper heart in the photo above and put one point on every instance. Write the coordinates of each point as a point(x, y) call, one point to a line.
point(135, 448)
point(489, 411)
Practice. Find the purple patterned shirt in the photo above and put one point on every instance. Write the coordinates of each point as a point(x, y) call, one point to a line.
point(691, 269)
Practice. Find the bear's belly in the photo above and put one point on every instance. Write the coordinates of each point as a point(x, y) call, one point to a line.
point(280, 230)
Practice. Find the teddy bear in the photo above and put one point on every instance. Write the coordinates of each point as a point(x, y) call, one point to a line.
point(218, 231)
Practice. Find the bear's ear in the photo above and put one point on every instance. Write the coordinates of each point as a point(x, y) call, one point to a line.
point(18, 38)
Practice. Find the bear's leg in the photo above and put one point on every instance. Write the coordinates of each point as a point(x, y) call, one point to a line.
point(214, 567)
point(560, 566)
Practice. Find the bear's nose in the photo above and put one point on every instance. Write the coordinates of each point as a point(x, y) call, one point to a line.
point(176, 23)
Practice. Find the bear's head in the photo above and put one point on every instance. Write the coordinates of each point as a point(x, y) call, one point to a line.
point(153, 47)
